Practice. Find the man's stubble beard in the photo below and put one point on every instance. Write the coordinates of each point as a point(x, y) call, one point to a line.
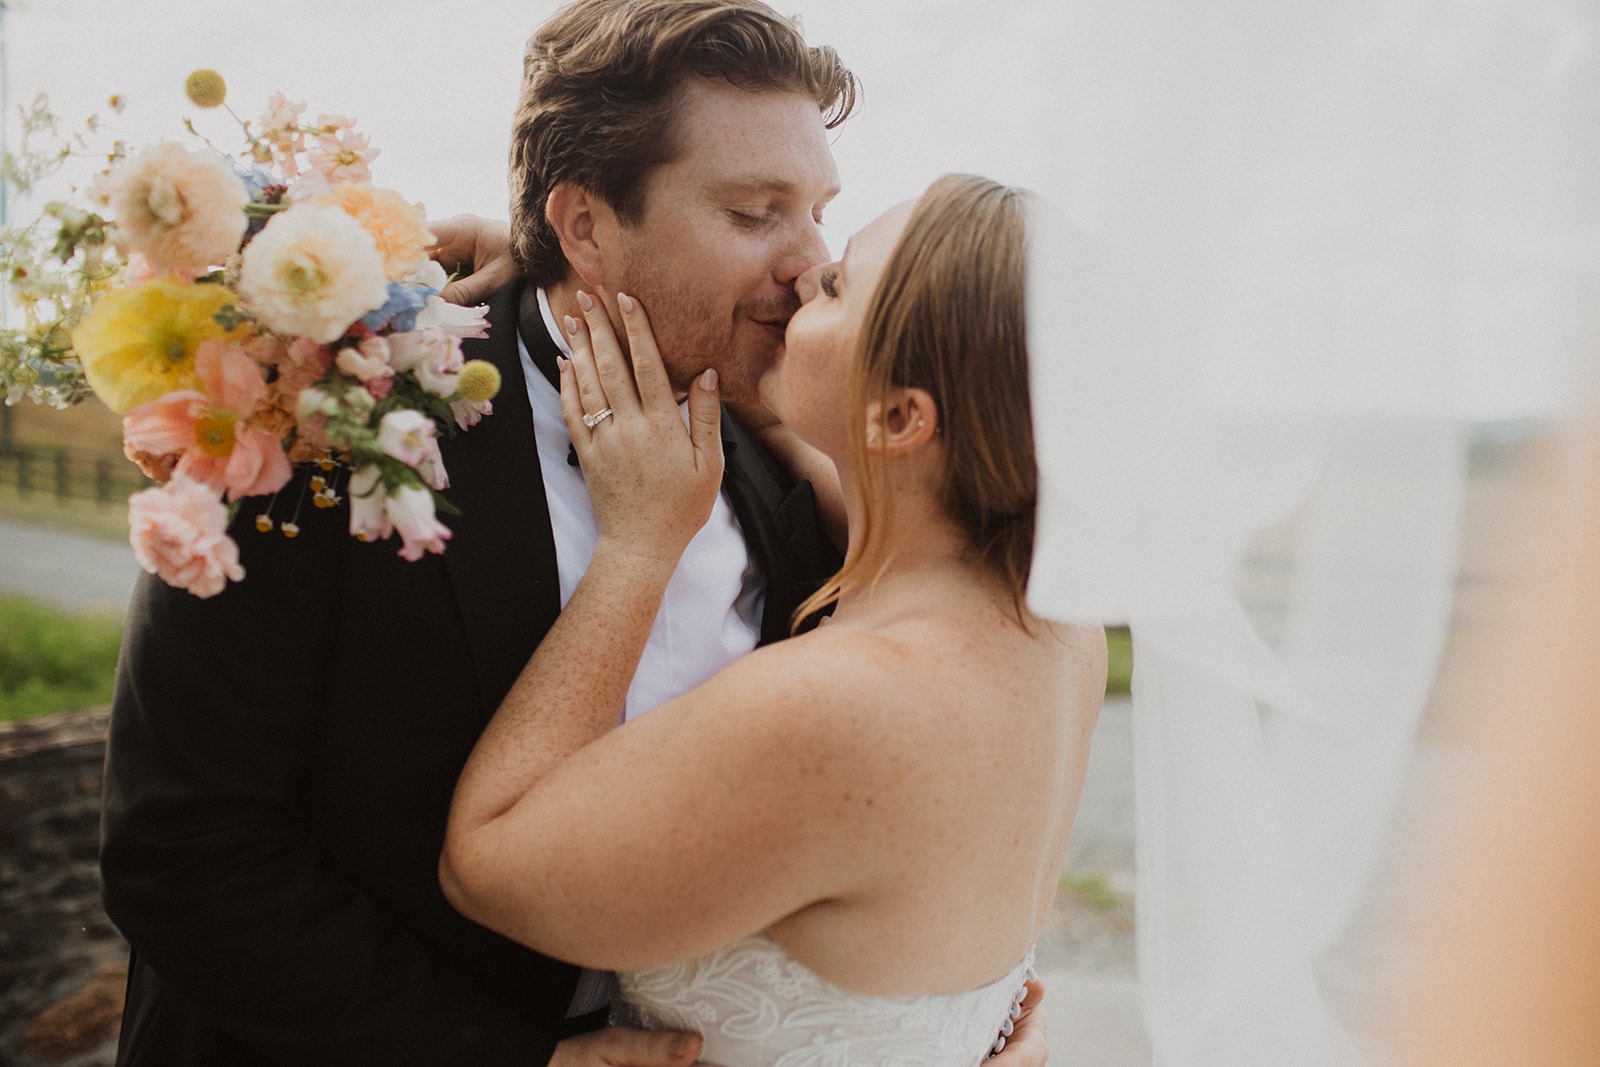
point(692, 336)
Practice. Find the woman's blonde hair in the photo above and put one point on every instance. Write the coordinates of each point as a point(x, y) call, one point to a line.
point(949, 317)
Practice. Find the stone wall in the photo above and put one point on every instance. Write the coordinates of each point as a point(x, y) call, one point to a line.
point(62, 963)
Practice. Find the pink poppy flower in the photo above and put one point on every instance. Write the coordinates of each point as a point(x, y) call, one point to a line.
point(207, 428)
point(179, 533)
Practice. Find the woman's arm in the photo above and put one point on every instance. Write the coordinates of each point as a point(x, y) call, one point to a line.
point(652, 485)
point(706, 820)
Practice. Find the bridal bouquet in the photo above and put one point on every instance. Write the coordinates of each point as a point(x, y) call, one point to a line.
point(245, 315)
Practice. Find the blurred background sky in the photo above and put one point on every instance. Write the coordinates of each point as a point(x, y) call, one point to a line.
point(1258, 154)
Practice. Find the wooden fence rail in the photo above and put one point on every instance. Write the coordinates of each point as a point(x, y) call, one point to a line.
point(68, 474)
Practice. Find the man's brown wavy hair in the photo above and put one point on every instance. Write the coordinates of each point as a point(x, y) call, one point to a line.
point(949, 315)
point(599, 97)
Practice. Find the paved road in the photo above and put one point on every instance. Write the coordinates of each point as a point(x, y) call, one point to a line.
point(71, 571)
point(1086, 962)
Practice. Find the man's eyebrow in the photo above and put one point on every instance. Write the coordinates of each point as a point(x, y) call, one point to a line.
point(776, 186)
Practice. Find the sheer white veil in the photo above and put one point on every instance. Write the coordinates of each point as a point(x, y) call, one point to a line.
point(1306, 262)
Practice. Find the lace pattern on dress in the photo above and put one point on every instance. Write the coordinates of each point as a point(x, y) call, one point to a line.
point(756, 1007)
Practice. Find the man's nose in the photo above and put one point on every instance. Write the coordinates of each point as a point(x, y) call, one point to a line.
point(803, 250)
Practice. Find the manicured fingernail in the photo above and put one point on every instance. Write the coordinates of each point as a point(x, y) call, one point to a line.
point(625, 302)
point(584, 301)
point(562, 363)
point(708, 380)
point(572, 325)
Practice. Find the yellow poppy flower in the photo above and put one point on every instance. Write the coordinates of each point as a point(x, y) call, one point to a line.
point(138, 344)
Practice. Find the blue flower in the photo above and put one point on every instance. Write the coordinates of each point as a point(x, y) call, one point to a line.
point(256, 178)
point(400, 310)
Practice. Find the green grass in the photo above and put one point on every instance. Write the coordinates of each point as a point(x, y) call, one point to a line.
point(50, 661)
point(1092, 890)
point(1119, 660)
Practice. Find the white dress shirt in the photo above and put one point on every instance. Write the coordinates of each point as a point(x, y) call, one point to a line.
point(710, 615)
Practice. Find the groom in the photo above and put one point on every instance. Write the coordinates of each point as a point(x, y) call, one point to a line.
point(282, 756)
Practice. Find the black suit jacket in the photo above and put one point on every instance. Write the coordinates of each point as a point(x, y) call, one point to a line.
point(281, 759)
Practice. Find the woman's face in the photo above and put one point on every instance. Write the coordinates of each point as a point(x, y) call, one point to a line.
point(807, 386)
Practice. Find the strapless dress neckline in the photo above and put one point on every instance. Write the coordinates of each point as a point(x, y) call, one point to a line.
point(756, 1006)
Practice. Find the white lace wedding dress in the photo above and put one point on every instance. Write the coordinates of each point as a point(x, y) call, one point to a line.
point(756, 1007)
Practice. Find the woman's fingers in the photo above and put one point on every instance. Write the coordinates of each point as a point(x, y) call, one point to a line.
point(571, 405)
point(592, 397)
point(705, 423)
point(612, 368)
point(648, 371)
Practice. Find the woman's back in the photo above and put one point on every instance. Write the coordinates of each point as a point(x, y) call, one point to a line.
point(975, 737)
point(943, 856)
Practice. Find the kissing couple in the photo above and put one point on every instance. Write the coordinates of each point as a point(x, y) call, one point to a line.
point(722, 732)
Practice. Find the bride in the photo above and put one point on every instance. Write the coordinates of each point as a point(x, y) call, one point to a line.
point(841, 848)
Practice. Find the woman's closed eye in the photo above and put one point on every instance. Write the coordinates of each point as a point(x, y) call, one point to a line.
point(826, 280)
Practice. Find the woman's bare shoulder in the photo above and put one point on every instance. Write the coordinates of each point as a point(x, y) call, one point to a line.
point(830, 670)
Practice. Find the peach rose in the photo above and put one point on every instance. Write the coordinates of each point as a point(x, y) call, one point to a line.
point(312, 272)
point(182, 210)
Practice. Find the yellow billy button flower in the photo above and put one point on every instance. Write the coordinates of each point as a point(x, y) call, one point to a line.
point(206, 88)
point(138, 344)
point(478, 381)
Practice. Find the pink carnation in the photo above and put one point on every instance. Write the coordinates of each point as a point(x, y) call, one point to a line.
point(179, 533)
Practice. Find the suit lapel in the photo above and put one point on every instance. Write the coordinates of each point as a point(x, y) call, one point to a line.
point(501, 558)
point(779, 520)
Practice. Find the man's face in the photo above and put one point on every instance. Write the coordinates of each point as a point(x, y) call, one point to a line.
point(728, 226)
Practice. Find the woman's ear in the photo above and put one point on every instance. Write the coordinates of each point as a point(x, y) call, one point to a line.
point(906, 422)
point(579, 219)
